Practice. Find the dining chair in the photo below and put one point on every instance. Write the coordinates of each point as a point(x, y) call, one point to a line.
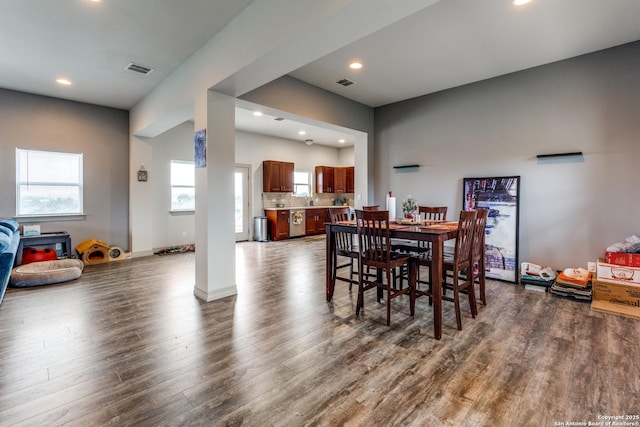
point(371, 208)
point(478, 252)
point(453, 267)
point(438, 213)
point(434, 212)
point(344, 246)
point(375, 251)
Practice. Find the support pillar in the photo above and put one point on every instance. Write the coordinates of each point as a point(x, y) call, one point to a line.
point(215, 195)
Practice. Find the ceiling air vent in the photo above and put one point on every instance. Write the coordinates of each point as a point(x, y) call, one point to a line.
point(139, 68)
point(345, 82)
point(279, 119)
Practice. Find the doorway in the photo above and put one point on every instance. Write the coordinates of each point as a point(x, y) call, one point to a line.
point(242, 207)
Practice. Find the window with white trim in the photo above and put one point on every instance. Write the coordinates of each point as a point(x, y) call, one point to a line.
point(183, 186)
point(301, 184)
point(48, 183)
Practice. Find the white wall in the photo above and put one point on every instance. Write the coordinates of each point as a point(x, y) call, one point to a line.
point(251, 149)
point(569, 210)
point(168, 229)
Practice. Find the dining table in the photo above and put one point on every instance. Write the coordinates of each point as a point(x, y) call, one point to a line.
point(434, 232)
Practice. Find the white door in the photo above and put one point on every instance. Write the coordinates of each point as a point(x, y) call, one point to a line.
point(242, 204)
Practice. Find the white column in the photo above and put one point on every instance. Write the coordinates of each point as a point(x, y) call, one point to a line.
point(214, 219)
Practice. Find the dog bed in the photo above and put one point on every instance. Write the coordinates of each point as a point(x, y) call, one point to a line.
point(46, 272)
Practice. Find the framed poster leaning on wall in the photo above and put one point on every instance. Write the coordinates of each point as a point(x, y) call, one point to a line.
point(501, 196)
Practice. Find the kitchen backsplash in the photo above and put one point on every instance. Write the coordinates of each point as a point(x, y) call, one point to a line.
point(274, 200)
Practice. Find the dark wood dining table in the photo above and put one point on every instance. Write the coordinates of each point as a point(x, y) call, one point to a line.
point(435, 232)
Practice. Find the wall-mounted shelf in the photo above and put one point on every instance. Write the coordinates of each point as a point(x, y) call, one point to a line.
point(550, 156)
point(406, 167)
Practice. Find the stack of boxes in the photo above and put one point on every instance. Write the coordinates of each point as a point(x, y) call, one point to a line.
point(616, 288)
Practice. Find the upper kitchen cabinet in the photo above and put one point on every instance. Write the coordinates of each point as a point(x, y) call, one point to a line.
point(334, 179)
point(351, 181)
point(324, 179)
point(277, 177)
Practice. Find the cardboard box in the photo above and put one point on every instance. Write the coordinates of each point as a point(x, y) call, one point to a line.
point(620, 294)
point(612, 308)
point(618, 273)
point(31, 230)
point(621, 258)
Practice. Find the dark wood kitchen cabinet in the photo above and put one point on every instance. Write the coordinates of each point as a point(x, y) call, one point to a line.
point(324, 179)
point(278, 224)
point(339, 180)
point(315, 219)
point(277, 177)
point(330, 179)
point(351, 180)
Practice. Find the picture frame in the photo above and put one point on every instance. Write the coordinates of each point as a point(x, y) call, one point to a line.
point(501, 195)
point(142, 175)
point(200, 148)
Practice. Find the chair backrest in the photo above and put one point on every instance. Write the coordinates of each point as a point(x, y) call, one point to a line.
point(371, 208)
point(477, 245)
point(339, 214)
point(434, 212)
point(466, 224)
point(344, 241)
point(373, 235)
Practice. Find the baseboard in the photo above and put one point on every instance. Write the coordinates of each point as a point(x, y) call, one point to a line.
point(216, 294)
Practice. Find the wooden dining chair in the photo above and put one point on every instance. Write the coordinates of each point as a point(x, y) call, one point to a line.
point(434, 212)
point(375, 251)
point(371, 208)
point(478, 253)
point(438, 213)
point(453, 267)
point(344, 246)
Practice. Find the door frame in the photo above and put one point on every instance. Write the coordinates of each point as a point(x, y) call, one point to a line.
point(246, 168)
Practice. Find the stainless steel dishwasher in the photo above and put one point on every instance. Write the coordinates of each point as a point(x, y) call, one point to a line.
point(296, 223)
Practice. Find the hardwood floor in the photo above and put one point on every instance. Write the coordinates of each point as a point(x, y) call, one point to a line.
point(129, 344)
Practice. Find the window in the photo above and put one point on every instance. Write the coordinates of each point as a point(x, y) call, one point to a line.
point(301, 184)
point(48, 183)
point(183, 186)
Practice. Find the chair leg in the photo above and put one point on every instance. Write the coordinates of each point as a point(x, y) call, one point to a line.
point(389, 275)
point(350, 274)
point(360, 303)
point(456, 302)
point(481, 282)
point(472, 296)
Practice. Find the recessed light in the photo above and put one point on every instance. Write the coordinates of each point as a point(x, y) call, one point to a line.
point(302, 132)
point(520, 2)
point(355, 65)
point(64, 82)
point(257, 113)
point(341, 141)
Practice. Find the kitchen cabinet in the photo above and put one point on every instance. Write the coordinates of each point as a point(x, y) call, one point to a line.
point(324, 179)
point(339, 180)
point(315, 220)
point(331, 179)
point(278, 224)
point(277, 177)
point(351, 181)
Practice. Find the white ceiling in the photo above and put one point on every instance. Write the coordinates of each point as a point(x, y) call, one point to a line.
point(448, 44)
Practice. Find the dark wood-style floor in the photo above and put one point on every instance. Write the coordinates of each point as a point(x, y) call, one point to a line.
point(129, 344)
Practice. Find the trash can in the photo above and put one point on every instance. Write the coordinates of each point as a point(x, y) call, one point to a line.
point(260, 228)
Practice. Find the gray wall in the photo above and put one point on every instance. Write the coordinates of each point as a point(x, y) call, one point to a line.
point(100, 133)
point(569, 210)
